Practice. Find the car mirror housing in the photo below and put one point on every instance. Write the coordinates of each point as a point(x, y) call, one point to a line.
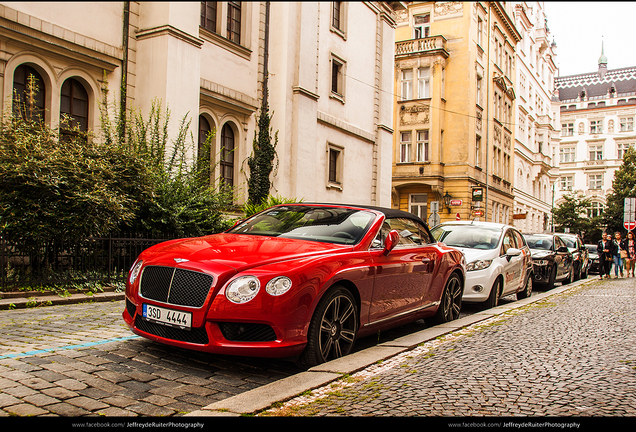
point(513, 252)
point(392, 239)
point(563, 249)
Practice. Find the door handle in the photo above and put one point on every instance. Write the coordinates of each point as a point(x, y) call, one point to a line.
point(428, 262)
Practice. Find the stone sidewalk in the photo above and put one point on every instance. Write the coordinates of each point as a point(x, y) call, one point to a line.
point(571, 354)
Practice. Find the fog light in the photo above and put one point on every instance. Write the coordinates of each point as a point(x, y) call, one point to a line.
point(478, 288)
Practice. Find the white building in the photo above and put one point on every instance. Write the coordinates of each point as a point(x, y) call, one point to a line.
point(597, 126)
point(330, 70)
point(536, 121)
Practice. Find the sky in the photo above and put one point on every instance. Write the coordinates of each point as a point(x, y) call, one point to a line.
point(578, 27)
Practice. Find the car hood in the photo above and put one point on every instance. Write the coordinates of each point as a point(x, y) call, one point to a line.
point(540, 253)
point(237, 251)
point(594, 255)
point(477, 254)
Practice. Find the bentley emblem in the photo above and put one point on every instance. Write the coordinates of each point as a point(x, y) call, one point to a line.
point(181, 260)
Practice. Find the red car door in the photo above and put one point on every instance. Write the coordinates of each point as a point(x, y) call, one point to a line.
point(403, 277)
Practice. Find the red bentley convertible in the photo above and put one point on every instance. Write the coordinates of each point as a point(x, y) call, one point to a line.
point(296, 280)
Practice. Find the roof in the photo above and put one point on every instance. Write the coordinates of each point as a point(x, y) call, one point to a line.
point(388, 212)
point(570, 87)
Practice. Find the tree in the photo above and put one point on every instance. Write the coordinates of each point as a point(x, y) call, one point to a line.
point(572, 214)
point(623, 186)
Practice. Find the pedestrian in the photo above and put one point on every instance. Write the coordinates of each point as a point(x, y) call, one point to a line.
point(629, 246)
point(605, 249)
point(618, 257)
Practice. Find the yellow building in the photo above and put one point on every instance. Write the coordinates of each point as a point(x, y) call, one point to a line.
point(454, 110)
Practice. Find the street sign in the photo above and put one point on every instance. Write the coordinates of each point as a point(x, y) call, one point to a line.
point(629, 214)
point(478, 194)
point(478, 213)
point(434, 206)
point(458, 217)
point(629, 225)
point(456, 202)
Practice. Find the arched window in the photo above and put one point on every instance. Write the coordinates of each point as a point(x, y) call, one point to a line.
point(74, 104)
point(203, 154)
point(227, 155)
point(21, 96)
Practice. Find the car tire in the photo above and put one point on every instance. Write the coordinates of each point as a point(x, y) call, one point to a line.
point(577, 273)
point(568, 280)
point(527, 289)
point(585, 273)
point(451, 303)
point(550, 284)
point(493, 298)
point(333, 327)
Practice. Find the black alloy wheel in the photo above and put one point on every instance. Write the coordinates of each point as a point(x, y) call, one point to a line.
point(451, 303)
point(333, 328)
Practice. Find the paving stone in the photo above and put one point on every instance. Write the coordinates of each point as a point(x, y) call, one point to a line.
point(25, 410)
point(71, 384)
point(59, 393)
point(87, 403)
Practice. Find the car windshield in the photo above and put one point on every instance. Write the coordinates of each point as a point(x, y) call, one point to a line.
point(591, 248)
point(535, 242)
point(323, 224)
point(467, 236)
point(569, 241)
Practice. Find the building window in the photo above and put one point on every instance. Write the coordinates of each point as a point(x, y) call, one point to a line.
point(21, 77)
point(627, 124)
point(418, 204)
point(423, 82)
point(566, 183)
point(204, 144)
point(405, 147)
point(622, 148)
point(337, 19)
point(596, 152)
point(74, 104)
point(337, 76)
point(421, 26)
point(478, 95)
point(422, 146)
point(477, 151)
point(480, 29)
point(208, 16)
point(567, 129)
point(567, 154)
point(234, 22)
point(227, 156)
point(334, 167)
point(595, 210)
point(596, 126)
point(407, 84)
point(595, 181)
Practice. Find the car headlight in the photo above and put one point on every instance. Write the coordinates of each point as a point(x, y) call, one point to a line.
point(243, 289)
point(134, 271)
point(541, 262)
point(478, 265)
point(278, 286)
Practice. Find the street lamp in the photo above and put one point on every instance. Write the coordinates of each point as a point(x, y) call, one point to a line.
point(447, 199)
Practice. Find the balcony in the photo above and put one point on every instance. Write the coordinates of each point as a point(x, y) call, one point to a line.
point(425, 46)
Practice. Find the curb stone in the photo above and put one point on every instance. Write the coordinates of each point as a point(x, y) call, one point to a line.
point(257, 400)
point(31, 299)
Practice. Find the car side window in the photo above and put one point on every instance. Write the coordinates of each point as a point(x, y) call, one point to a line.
point(508, 242)
point(411, 233)
point(519, 240)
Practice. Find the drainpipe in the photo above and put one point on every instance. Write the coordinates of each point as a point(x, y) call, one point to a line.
point(124, 71)
point(487, 113)
point(266, 56)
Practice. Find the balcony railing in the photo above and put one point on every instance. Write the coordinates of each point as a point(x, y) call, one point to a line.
point(421, 46)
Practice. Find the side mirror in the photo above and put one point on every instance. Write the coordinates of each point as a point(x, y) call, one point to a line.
point(392, 239)
point(563, 249)
point(513, 252)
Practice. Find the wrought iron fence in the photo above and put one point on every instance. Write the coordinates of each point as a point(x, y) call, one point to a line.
point(95, 260)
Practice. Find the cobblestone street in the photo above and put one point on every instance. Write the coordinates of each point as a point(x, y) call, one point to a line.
point(82, 360)
point(570, 355)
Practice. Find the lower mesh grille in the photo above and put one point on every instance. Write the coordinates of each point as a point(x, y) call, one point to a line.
point(194, 335)
point(247, 332)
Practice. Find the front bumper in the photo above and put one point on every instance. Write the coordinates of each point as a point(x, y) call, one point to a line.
point(478, 285)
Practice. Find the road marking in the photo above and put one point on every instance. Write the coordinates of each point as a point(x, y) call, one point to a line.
point(84, 345)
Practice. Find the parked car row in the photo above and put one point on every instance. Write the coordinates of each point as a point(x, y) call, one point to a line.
point(306, 280)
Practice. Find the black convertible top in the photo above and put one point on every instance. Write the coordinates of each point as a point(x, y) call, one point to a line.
point(388, 212)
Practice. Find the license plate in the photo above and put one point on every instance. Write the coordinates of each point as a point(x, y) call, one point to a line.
point(169, 317)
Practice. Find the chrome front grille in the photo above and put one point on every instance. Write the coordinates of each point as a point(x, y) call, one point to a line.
point(175, 286)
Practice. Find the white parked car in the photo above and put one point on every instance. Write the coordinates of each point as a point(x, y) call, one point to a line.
point(499, 262)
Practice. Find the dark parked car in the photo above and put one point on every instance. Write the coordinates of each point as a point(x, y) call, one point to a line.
point(595, 263)
point(295, 280)
point(580, 254)
point(551, 259)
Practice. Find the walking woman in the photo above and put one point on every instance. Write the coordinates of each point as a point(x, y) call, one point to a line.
point(629, 245)
point(605, 249)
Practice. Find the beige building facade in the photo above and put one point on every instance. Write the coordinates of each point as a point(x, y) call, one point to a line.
point(329, 66)
point(536, 121)
point(456, 97)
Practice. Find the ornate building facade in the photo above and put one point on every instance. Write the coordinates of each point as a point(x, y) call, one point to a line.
point(456, 96)
point(536, 121)
point(597, 112)
point(329, 67)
